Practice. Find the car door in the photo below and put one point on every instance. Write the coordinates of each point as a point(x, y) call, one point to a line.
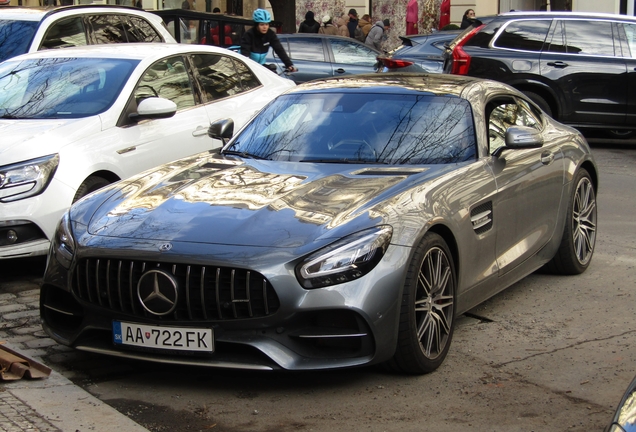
point(148, 143)
point(225, 84)
point(350, 57)
point(627, 32)
point(309, 56)
point(529, 184)
point(584, 63)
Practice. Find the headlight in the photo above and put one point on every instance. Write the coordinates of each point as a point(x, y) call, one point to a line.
point(26, 179)
point(347, 259)
point(64, 243)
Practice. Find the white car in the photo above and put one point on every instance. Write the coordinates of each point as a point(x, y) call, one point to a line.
point(75, 120)
point(24, 30)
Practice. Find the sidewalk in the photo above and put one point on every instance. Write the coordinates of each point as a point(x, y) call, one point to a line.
point(54, 403)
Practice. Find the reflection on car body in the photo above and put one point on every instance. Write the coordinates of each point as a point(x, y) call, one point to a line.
point(347, 224)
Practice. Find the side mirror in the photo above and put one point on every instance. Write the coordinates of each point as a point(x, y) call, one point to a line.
point(222, 129)
point(520, 137)
point(154, 108)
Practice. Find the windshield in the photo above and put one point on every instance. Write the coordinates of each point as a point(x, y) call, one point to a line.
point(61, 87)
point(15, 37)
point(360, 128)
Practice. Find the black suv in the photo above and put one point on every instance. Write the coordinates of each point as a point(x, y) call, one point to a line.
point(579, 68)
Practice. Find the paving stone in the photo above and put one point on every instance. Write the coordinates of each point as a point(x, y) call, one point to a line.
point(36, 352)
point(28, 330)
point(40, 343)
point(7, 296)
point(22, 314)
point(12, 307)
point(30, 293)
point(21, 338)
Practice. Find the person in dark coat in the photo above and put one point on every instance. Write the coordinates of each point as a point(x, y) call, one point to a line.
point(352, 25)
point(468, 19)
point(310, 25)
point(256, 41)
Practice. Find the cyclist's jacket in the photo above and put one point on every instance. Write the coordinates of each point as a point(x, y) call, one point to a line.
point(255, 45)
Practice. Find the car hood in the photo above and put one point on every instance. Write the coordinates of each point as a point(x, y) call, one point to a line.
point(27, 139)
point(256, 203)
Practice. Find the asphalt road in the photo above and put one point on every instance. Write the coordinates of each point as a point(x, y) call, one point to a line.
point(548, 354)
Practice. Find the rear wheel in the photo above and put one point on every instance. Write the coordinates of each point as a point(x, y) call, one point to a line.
point(427, 317)
point(579, 234)
point(620, 133)
point(539, 101)
point(91, 184)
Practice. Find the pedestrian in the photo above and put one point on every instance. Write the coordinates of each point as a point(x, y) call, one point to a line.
point(365, 24)
point(327, 26)
point(352, 25)
point(256, 41)
point(187, 4)
point(310, 25)
point(412, 16)
point(374, 39)
point(341, 25)
point(444, 14)
point(216, 10)
point(468, 19)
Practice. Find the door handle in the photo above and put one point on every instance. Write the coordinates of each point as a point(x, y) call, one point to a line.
point(340, 70)
point(558, 64)
point(547, 158)
point(199, 131)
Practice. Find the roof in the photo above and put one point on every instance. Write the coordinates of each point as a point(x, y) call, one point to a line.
point(39, 13)
point(133, 51)
point(565, 14)
point(441, 84)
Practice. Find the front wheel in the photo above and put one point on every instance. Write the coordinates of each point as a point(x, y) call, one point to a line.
point(579, 234)
point(91, 184)
point(427, 317)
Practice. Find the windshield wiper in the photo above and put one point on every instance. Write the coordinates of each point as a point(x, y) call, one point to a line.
point(344, 161)
point(242, 154)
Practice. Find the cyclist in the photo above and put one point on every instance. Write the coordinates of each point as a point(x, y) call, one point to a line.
point(256, 41)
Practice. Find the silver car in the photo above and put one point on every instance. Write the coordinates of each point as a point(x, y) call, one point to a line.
point(349, 223)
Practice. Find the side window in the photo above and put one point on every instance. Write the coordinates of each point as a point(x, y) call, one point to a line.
point(504, 114)
point(557, 42)
point(630, 34)
point(526, 35)
point(107, 29)
point(217, 75)
point(348, 52)
point(309, 49)
point(141, 30)
point(589, 37)
point(168, 79)
point(248, 79)
point(65, 33)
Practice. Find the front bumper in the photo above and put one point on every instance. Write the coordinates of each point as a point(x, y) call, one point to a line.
point(344, 325)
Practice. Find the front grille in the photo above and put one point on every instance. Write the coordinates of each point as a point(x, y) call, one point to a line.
point(205, 292)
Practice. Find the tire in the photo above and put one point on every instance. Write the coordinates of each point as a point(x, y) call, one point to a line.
point(579, 234)
point(91, 184)
point(427, 317)
point(539, 101)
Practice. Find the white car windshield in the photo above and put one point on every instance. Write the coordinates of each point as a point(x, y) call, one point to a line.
point(368, 128)
point(61, 87)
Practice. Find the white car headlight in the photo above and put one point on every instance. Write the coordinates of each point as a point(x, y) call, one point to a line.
point(26, 179)
point(64, 243)
point(347, 259)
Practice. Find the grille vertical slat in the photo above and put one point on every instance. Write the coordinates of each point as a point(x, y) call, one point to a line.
point(110, 299)
point(205, 315)
point(88, 284)
point(189, 306)
point(217, 292)
point(247, 294)
point(211, 293)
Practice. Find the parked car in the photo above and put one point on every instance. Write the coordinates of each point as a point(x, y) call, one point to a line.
point(318, 56)
point(77, 119)
point(624, 419)
point(578, 67)
point(25, 29)
point(349, 223)
point(206, 28)
point(425, 51)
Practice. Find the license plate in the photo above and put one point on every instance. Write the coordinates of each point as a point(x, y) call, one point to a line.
point(170, 338)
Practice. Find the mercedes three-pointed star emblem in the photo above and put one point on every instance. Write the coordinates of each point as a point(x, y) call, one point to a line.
point(158, 292)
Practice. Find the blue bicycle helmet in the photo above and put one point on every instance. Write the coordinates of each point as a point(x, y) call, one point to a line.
point(261, 16)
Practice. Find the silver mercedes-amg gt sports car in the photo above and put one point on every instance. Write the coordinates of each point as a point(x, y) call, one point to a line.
point(349, 223)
